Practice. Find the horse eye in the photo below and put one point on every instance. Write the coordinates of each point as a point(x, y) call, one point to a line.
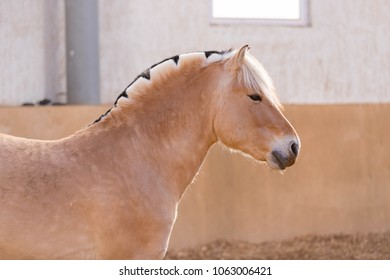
point(255, 97)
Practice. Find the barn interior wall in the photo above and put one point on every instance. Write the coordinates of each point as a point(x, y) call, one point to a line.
point(32, 51)
point(339, 58)
point(340, 183)
point(333, 74)
point(342, 57)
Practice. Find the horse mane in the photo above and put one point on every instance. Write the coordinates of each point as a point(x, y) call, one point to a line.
point(253, 74)
point(255, 77)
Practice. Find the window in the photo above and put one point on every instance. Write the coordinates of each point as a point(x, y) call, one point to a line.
point(272, 12)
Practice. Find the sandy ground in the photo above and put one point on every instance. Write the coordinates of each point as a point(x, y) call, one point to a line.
point(312, 247)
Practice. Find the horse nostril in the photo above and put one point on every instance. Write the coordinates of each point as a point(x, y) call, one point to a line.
point(294, 148)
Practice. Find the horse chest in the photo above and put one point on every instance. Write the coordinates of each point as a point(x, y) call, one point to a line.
point(129, 231)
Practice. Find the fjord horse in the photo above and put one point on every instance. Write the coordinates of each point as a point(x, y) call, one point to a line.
point(111, 190)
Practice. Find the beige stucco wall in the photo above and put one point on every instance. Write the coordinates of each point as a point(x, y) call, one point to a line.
point(339, 184)
point(342, 57)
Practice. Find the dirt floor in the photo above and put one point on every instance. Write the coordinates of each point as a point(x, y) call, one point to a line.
point(312, 247)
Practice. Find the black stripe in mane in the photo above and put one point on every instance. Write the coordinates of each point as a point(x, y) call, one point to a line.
point(123, 94)
point(208, 53)
point(146, 75)
point(102, 116)
point(174, 58)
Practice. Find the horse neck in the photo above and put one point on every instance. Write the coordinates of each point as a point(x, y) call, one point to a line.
point(168, 131)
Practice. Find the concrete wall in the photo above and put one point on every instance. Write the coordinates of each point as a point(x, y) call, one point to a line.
point(341, 58)
point(339, 184)
point(32, 51)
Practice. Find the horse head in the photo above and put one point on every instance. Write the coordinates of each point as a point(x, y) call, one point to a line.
point(248, 113)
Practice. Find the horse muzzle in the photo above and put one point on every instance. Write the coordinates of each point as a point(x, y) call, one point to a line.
point(285, 155)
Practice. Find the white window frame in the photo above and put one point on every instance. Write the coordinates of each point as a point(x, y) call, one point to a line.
point(303, 19)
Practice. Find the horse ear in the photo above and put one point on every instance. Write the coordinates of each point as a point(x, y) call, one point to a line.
point(238, 58)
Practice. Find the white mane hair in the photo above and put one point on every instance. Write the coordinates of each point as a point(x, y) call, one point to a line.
point(252, 75)
point(255, 76)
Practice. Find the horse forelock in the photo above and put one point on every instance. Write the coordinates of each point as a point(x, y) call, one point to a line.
point(255, 77)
